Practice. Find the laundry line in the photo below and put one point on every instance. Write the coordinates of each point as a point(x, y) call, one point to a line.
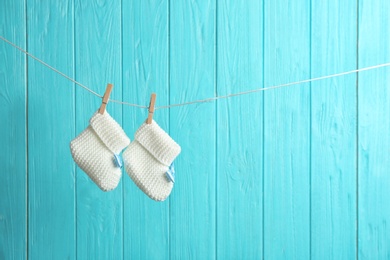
point(199, 100)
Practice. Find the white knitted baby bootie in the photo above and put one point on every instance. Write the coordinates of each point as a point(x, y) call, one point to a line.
point(148, 159)
point(96, 150)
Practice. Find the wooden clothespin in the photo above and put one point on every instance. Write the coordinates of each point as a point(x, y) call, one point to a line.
point(151, 108)
point(105, 98)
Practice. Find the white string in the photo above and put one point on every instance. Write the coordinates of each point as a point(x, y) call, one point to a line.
point(200, 100)
point(66, 76)
point(50, 67)
point(127, 104)
point(277, 86)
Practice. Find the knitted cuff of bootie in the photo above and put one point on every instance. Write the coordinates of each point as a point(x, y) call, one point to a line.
point(96, 150)
point(148, 158)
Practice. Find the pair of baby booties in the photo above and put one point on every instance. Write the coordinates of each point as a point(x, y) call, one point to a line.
point(147, 159)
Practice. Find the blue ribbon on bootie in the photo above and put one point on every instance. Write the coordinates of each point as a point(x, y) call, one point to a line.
point(171, 173)
point(118, 161)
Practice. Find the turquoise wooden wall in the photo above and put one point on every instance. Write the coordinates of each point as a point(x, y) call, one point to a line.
point(293, 173)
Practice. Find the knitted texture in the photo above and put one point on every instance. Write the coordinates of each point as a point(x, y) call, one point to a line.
point(93, 150)
point(148, 158)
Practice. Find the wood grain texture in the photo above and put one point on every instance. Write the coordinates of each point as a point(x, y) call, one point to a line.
point(374, 128)
point(51, 179)
point(192, 76)
point(13, 159)
point(98, 62)
point(145, 70)
point(240, 131)
point(291, 173)
point(333, 140)
point(287, 131)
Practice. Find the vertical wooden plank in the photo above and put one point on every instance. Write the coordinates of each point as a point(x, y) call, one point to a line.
point(145, 70)
point(240, 131)
point(374, 128)
point(13, 222)
point(287, 131)
point(333, 159)
point(51, 180)
point(98, 62)
point(192, 76)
